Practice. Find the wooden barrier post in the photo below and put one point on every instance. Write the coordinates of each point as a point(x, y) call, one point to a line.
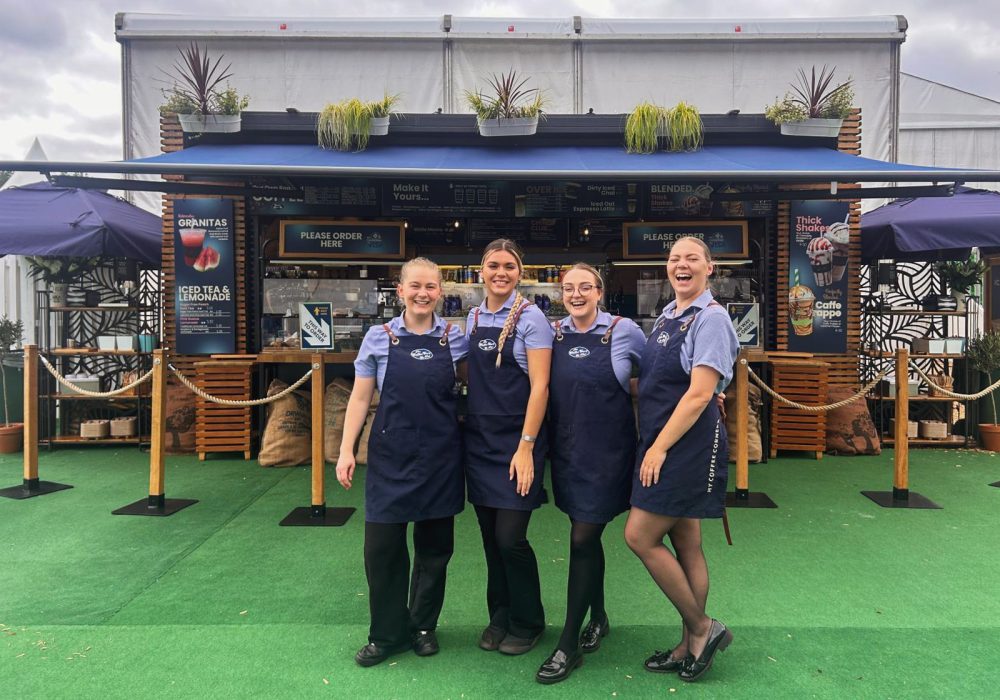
point(31, 486)
point(901, 496)
point(157, 503)
point(317, 514)
point(742, 497)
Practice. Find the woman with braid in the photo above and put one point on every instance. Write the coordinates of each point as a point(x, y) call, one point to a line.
point(592, 449)
point(510, 348)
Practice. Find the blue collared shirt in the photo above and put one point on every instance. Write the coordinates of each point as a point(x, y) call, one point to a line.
point(373, 357)
point(533, 330)
point(710, 341)
point(627, 341)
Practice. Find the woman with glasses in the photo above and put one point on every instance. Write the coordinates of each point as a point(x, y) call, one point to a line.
point(592, 450)
point(510, 348)
point(682, 459)
point(414, 464)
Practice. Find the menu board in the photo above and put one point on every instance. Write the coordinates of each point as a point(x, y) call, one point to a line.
point(818, 276)
point(542, 231)
point(341, 239)
point(695, 200)
point(205, 279)
point(345, 198)
point(726, 239)
point(442, 198)
point(575, 199)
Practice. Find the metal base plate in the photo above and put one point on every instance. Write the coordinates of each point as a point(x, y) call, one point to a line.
point(37, 489)
point(311, 516)
point(144, 507)
point(749, 499)
point(888, 499)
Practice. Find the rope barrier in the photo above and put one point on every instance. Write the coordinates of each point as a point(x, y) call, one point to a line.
point(96, 394)
point(947, 392)
point(814, 409)
point(251, 402)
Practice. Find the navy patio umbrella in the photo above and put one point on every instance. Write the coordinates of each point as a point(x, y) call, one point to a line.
point(932, 228)
point(42, 219)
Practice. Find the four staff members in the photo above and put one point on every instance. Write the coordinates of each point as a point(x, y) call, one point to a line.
point(675, 477)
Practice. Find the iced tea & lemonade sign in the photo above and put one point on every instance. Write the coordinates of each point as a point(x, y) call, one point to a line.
point(818, 276)
point(205, 276)
point(726, 239)
point(342, 239)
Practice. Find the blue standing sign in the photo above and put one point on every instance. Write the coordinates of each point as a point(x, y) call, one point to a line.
point(316, 325)
point(205, 276)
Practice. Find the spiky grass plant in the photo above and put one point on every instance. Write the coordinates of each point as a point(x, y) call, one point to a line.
point(812, 97)
point(346, 125)
point(197, 78)
point(643, 128)
point(684, 129)
point(383, 107)
point(510, 98)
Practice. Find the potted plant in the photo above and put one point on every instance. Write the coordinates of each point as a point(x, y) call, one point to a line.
point(962, 276)
point(984, 355)
point(347, 125)
point(813, 108)
point(57, 273)
point(196, 94)
point(11, 434)
point(512, 109)
point(678, 129)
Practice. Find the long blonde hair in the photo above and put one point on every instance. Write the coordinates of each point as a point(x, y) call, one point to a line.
point(505, 244)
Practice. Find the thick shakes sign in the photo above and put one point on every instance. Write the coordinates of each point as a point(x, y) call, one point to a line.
point(818, 275)
point(205, 276)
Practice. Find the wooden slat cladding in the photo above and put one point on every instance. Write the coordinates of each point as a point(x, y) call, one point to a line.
point(805, 382)
point(222, 428)
point(843, 369)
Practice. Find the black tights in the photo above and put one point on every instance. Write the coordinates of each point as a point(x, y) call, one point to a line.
point(513, 595)
point(586, 581)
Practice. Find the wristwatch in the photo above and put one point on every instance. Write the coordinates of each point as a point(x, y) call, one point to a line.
point(528, 438)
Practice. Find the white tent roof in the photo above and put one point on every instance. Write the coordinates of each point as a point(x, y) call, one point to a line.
point(19, 178)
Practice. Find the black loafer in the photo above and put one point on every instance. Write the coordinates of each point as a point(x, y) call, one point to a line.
point(590, 638)
point(372, 654)
point(718, 639)
point(512, 646)
point(425, 643)
point(491, 637)
point(558, 666)
point(664, 662)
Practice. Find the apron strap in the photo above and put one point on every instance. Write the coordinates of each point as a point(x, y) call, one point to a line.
point(475, 321)
point(392, 337)
point(606, 338)
point(444, 338)
point(557, 327)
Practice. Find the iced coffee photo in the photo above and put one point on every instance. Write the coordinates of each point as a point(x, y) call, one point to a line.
point(800, 306)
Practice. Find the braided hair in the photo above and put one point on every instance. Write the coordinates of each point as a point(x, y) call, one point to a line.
point(509, 246)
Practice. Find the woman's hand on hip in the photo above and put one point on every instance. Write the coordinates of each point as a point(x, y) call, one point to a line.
point(345, 470)
point(522, 467)
point(652, 462)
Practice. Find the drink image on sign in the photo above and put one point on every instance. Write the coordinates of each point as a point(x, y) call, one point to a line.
point(192, 239)
point(839, 234)
point(800, 307)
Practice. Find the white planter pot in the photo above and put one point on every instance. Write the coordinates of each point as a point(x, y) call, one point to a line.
point(379, 126)
point(209, 123)
point(813, 127)
point(516, 126)
point(57, 293)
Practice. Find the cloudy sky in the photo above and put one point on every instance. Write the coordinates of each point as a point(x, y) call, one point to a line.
point(61, 63)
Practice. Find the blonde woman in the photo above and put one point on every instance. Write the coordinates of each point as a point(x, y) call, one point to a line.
point(414, 464)
point(592, 449)
point(681, 463)
point(510, 348)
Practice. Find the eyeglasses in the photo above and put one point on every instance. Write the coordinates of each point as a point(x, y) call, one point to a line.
point(584, 288)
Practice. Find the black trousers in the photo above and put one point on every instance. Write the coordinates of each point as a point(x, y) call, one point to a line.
point(387, 566)
point(513, 594)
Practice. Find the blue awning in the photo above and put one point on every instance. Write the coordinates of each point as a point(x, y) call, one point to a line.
point(730, 163)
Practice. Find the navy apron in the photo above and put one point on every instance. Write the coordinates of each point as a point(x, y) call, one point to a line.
point(414, 453)
point(693, 477)
point(592, 446)
point(498, 399)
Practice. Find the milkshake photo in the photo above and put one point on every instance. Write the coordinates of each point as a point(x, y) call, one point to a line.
point(839, 234)
point(821, 255)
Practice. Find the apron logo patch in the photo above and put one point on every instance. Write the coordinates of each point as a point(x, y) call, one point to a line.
point(663, 338)
point(487, 345)
point(579, 352)
point(421, 354)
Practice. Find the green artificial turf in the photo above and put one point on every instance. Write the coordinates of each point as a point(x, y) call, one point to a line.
point(828, 595)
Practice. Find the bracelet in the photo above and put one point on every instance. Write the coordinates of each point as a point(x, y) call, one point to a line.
point(528, 438)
